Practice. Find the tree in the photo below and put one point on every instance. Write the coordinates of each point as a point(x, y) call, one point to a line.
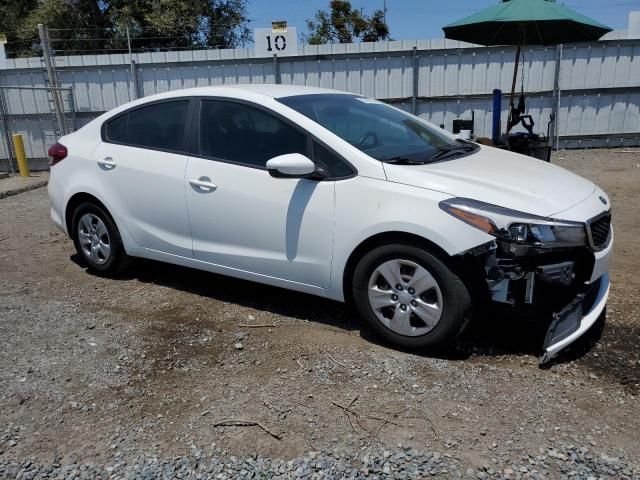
point(344, 24)
point(12, 15)
point(76, 25)
point(199, 23)
point(171, 23)
point(101, 26)
point(227, 24)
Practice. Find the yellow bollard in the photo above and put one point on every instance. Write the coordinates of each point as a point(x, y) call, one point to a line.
point(18, 146)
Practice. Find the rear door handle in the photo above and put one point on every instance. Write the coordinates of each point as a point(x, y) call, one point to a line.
point(203, 184)
point(107, 163)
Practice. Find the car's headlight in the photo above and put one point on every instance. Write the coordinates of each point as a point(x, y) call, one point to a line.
point(515, 226)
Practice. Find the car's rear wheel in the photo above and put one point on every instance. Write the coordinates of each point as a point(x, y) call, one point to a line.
point(410, 297)
point(97, 240)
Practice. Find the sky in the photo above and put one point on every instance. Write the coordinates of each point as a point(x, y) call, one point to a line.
point(423, 19)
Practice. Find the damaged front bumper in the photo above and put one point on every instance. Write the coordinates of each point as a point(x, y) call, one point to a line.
point(576, 318)
point(567, 286)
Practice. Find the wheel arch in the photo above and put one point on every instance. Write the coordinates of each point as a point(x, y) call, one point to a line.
point(77, 199)
point(386, 238)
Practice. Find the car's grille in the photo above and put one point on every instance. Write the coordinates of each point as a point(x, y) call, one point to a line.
point(599, 229)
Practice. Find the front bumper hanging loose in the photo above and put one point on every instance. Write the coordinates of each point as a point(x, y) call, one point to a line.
point(576, 318)
point(568, 287)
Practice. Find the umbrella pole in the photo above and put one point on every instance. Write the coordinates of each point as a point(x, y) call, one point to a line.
point(513, 87)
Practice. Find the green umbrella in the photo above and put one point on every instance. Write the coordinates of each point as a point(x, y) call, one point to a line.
point(525, 22)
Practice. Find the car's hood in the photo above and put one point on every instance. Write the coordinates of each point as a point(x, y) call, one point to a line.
point(501, 178)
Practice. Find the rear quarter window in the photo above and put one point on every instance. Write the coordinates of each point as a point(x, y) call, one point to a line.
point(159, 126)
point(116, 129)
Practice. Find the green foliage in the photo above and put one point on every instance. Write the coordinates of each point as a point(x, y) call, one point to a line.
point(12, 15)
point(12, 12)
point(100, 26)
point(344, 24)
point(227, 23)
point(63, 14)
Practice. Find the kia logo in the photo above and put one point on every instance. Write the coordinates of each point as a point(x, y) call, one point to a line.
point(603, 200)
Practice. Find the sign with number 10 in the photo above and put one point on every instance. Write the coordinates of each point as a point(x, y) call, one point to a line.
point(270, 41)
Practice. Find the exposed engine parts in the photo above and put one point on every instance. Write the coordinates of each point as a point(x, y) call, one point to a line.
point(514, 273)
point(552, 283)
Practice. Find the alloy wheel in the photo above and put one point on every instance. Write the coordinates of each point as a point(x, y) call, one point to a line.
point(405, 297)
point(94, 239)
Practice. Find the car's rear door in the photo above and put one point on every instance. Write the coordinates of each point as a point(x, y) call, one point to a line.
point(141, 163)
point(242, 217)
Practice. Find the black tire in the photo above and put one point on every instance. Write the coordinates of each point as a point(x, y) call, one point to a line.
point(118, 259)
point(456, 300)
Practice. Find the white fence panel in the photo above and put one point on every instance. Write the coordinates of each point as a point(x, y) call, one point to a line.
point(599, 82)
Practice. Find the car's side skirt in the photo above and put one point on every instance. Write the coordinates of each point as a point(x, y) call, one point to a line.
point(231, 272)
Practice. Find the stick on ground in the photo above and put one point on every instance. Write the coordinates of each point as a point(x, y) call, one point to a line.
point(257, 325)
point(348, 412)
point(246, 423)
point(146, 285)
point(336, 362)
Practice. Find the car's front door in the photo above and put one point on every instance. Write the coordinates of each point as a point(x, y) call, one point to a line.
point(242, 217)
point(140, 165)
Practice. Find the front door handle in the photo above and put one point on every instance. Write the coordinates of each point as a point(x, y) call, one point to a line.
point(203, 184)
point(107, 163)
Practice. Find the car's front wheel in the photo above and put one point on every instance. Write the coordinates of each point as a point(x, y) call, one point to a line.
point(410, 297)
point(97, 240)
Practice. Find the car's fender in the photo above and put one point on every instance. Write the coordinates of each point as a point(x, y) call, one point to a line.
point(367, 207)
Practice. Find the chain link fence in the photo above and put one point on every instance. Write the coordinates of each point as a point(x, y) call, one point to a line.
point(41, 115)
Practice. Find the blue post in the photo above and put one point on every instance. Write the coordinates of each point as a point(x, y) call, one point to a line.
point(497, 109)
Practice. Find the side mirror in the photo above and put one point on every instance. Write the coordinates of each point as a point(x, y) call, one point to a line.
point(290, 165)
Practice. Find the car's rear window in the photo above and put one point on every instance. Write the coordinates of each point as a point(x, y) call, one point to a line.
point(158, 126)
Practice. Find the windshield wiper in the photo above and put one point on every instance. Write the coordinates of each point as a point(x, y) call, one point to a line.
point(404, 161)
point(461, 146)
point(446, 150)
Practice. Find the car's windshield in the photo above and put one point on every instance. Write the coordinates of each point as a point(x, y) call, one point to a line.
point(377, 129)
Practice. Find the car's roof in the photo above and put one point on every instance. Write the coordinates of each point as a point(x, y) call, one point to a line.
point(250, 92)
point(279, 91)
point(266, 89)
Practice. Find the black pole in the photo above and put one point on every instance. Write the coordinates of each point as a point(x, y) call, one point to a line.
point(513, 87)
point(497, 111)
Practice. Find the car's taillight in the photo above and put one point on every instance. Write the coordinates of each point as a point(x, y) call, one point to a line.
point(57, 153)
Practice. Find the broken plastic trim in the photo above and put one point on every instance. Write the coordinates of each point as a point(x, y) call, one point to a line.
point(567, 325)
point(480, 249)
point(576, 318)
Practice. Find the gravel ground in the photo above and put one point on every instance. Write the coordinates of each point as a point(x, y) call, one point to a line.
point(170, 372)
point(565, 461)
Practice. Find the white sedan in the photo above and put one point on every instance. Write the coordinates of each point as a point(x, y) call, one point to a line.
point(341, 196)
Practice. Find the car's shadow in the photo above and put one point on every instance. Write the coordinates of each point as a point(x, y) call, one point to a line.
point(491, 333)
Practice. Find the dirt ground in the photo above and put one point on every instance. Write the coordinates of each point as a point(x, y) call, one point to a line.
point(91, 368)
point(14, 183)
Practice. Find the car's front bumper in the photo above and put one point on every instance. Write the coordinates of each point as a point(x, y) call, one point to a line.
point(567, 287)
point(579, 315)
point(576, 318)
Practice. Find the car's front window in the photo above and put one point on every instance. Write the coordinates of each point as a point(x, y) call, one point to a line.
point(379, 130)
point(240, 133)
